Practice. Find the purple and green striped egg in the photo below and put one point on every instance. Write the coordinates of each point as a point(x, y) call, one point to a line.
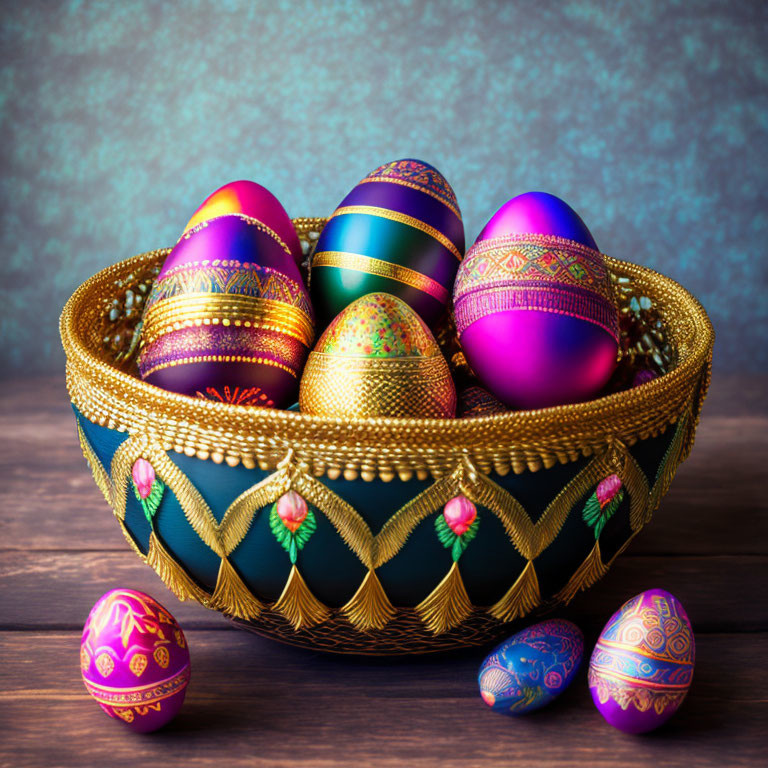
point(399, 231)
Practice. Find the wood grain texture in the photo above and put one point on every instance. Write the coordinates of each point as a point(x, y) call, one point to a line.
point(255, 702)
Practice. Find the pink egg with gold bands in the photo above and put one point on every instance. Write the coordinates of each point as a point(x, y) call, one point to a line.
point(134, 659)
point(254, 201)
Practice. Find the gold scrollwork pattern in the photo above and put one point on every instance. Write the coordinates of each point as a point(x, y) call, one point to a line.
point(370, 610)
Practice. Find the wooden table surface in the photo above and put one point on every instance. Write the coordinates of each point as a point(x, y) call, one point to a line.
point(255, 702)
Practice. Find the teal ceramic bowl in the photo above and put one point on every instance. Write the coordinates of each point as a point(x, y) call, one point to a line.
point(334, 534)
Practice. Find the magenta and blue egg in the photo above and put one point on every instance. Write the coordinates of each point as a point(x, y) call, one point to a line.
point(228, 317)
point(534, 306)
point(642, 665)
point(134, 659)
point(532, 668)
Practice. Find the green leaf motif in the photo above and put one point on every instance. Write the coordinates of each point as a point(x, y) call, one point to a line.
point(445, 535)
point(152, 502)
point(595, 517)
point(457, 544)
point(292, 543)
point(591, 511)
point(306, 529)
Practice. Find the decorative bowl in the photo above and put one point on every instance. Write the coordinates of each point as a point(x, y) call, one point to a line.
point(373, 575)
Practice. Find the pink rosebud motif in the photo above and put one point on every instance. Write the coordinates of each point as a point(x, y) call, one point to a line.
point(143, 476)
point(292, 510)
point(608, 489)
point(459, 514)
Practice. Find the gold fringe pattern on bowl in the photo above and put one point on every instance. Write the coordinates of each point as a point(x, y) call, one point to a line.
point(370, 609)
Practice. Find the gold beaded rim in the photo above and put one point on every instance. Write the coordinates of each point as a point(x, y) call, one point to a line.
point(383, 447)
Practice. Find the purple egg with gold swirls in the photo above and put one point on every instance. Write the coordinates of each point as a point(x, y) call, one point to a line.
point(534, 306)
point(399, 231)
point(135, 660)
point(532, 668)
point(228, 317)
point(642, 666)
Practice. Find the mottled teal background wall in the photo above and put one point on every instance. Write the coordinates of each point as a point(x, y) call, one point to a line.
point(117, 119)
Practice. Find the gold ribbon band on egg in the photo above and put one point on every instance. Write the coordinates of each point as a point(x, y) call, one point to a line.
point(221, 359)
point(144, 694)
point(247, 219)
point(401, 218)
point(177, 312)
point(431, 365)
point(418, 187)
point(398, 386)
point(372, 266)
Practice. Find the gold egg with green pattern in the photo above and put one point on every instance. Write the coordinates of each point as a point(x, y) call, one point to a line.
point(377, 358)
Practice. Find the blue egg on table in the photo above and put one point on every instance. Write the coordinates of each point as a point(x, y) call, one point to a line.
point(532, 668)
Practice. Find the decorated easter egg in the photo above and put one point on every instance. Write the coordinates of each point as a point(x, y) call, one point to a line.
point(534, 306)
point(642, 666)
point(531, 668)
point(377, 358)
point(476, 401)
point(228, 317)
point(398, 231)
point(134, 659)
point(247, 198)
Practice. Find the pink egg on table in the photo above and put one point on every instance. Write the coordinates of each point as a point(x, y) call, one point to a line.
point(135, 660)
point(642, 665)
point(534, 306)
point(254, 201)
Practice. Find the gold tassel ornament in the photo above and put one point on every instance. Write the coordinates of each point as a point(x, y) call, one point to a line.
point(173, 575)
point(521, 598)
point(447, 605)
point(369, 608)
point(590, 571)
point(232, 596)
point(298, 604)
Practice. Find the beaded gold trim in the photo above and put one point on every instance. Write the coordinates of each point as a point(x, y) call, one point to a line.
point(220, 359)
point(401, 218)
point(178, 312)
point(516, 441)
point(418, 187)
point(371, 266)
